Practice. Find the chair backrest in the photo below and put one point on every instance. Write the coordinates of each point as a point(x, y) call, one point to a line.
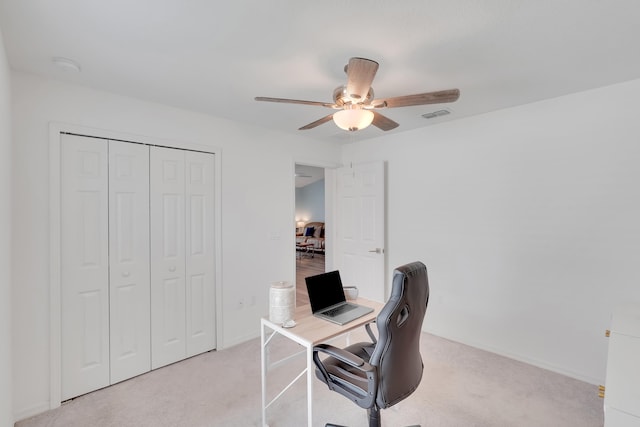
point(397, 352)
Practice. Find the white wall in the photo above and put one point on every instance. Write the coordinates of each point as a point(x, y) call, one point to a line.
point(6, 409)
point(257, 209)
point(528, 222)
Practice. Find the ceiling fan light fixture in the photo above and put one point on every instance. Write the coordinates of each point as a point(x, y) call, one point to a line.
point(353, 119)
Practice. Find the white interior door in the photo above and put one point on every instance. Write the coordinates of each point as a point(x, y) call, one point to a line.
point(168, 310)
point(200, 256)
point(84, 235)
point(360, 228)
point(130, 340)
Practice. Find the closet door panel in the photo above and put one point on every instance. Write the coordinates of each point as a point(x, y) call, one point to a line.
point(130, 340)
point(200, 257)
point(84, 271)
point(167, 256)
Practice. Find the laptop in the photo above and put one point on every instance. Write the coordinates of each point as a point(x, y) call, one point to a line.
point(327, 299)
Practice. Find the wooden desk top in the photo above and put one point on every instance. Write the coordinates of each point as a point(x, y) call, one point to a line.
point(310, 330)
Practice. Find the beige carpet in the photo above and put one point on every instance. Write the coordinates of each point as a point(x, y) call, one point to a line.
point(461, 387)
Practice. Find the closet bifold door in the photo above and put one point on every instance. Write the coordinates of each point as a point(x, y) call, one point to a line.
point(84, 273)
point(137, 259)
point(200, 260)
point(182, 254)
point(129, 286)
point(168, 309)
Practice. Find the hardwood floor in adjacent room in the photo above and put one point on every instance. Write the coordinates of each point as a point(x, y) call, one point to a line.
point(305, 267)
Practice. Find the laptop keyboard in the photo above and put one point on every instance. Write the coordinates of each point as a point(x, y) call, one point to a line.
point(339, 310)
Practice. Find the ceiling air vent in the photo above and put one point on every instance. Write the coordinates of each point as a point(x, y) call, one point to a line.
point(435, 114)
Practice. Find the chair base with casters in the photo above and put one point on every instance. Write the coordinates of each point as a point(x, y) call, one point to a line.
point(374, 419)
point(376, 375)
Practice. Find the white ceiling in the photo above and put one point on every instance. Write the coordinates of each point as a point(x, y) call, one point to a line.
point(306, 175)
point(215, 57)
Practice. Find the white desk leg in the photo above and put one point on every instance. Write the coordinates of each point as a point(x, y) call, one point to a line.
point(310, 370)
point(263, 360)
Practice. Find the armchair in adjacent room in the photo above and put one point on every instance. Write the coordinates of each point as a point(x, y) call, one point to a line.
point(378, 374)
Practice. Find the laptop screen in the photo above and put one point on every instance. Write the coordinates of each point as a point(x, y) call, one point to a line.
point(324, 290)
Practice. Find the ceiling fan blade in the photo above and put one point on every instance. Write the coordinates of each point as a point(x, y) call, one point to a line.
point(383, 122)
point(317, 122)
point(440, 97)
point(360, 74)
point(295, 101)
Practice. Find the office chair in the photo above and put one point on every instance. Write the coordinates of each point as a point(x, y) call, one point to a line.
point(378, 374)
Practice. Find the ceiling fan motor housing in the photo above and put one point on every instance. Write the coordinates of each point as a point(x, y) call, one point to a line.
point(342, 98)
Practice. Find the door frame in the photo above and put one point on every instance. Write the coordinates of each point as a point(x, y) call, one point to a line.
point(55, 129)
point(329, 208)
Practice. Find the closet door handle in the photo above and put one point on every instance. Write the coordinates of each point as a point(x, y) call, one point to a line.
point(125, 274)
point(172, 268)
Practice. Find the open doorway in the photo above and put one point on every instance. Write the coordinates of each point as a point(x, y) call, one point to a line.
point(310, 226)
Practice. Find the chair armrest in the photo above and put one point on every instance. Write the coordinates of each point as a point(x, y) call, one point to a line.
point(362, 394)
point(374, 340)
point(344, 357)
point(340, 354)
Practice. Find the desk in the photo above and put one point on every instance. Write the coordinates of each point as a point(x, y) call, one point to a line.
point(308, 332)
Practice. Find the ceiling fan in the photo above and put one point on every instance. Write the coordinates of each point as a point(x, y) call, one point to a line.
point(356, 104)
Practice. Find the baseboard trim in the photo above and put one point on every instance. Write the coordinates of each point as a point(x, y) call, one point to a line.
point(522, 358)
point(239, 340)
point(30, 411)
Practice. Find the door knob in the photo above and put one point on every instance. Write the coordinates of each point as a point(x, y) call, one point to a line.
point(172, 268)
point(377, 250)
point(125, 274)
